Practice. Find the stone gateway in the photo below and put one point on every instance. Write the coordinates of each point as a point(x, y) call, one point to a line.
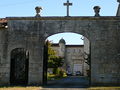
point(27, 35)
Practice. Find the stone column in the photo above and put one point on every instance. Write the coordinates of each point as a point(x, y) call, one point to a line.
point(36, 63)
point(86, 55)
point(105, 59)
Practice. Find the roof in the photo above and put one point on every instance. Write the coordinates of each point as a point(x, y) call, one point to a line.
point(57, 45)
point(74, 45)
point(3, 20)
point(62, 41)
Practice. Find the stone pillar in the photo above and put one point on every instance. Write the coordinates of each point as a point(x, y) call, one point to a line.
point(36, 63)
point(86, 55)
point(105, 59)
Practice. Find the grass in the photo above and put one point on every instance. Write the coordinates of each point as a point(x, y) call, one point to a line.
point(55, 77)
point(20, 88)
point(50, 77)
point(104, 88)
point(40, 88)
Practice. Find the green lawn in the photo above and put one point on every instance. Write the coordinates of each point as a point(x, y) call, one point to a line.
point(55, 77)
point(20, 88)
point(104, 88)
point(40, 88)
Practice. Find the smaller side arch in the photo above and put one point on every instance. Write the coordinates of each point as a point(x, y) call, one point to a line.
point(19, 66)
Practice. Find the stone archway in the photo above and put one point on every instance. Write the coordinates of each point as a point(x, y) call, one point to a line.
point(19, 66)
point(73, 56)
point(103, 33)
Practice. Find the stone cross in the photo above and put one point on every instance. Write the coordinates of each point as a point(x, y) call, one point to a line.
point(68, 4)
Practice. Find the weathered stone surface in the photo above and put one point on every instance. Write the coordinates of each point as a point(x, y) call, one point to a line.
point(30, 33)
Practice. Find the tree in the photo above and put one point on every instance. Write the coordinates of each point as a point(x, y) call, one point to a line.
point(54, 61)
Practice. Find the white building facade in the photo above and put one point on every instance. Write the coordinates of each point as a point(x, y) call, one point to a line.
point(73, 57)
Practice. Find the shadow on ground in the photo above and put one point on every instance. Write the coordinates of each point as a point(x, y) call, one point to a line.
point(69, 82)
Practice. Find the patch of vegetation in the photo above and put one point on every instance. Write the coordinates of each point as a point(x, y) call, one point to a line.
point(59, 73)
point(54, 61)
point(104, 88)
point(40, 88)
point(20, 88)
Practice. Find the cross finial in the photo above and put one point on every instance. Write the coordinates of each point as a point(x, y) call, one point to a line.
point(67, 4)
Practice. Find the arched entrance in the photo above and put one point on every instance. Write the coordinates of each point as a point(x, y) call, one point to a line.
point(19, 66)
point(74, 57)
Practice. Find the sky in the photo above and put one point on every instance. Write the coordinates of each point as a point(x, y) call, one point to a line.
point(24, 8)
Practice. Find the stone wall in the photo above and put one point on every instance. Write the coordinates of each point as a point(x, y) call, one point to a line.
point(4, 63)
point(30, 39)
point(105, 61)
point(30, 33)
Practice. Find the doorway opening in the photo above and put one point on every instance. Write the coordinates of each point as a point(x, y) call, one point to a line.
point(67, 62)
point(19, 66)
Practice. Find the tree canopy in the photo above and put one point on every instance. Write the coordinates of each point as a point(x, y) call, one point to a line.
point(54, 61)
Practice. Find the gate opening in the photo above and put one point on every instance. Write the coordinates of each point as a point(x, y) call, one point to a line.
point(67, 62)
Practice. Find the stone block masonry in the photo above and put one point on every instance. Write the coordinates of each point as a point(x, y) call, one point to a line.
point(30, 33)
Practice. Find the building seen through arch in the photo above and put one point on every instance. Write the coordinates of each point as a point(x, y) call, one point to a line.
point(74, 57)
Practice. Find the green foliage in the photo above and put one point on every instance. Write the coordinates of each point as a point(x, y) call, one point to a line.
point(61, 73)
point(54, 61)
point(55, 70)
point(58, 73)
